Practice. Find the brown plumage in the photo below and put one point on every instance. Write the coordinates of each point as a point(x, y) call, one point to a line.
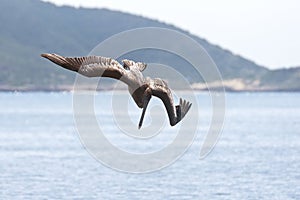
point(140, 88)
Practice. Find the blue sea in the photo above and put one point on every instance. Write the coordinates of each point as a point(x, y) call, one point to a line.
point(257, 155)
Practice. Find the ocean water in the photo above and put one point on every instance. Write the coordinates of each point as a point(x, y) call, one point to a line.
point(257, 155)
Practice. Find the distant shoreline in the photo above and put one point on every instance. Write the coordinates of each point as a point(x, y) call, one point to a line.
point(228, 90)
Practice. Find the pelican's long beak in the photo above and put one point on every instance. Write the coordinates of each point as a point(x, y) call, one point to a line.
point(146, 101)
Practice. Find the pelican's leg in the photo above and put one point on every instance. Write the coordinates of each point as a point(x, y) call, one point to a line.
point(146, 99)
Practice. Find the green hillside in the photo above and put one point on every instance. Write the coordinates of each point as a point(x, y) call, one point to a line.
point(32, 27)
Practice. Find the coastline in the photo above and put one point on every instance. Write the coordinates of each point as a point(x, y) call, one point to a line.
point(71, 89)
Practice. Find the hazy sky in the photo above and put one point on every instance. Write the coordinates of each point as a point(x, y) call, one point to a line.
point(265, 31)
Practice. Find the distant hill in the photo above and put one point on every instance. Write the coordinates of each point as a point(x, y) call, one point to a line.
point(32, 27)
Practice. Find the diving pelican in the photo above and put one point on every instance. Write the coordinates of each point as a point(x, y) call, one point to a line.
point(140, 88)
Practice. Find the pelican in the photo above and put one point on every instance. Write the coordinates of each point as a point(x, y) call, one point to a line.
point(140, 88)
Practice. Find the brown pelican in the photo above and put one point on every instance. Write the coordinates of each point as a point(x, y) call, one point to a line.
point(140, 88)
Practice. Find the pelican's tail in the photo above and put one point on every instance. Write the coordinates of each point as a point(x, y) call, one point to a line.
point(181, 109)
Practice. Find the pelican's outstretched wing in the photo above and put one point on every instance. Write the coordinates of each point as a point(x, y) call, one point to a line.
point(161, 90)
point(92, 66)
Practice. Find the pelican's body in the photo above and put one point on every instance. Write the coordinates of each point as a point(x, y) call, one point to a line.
point(140, 88)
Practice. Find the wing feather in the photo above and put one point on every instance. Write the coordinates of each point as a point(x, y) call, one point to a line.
point(161, 90)
point(92, 66)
